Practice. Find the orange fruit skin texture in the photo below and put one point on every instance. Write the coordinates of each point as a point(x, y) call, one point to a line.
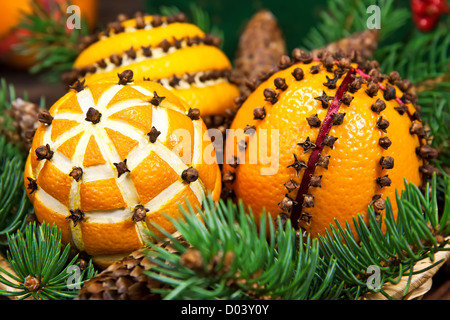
point(108, 199)
point(211, 97)
point(349, 183)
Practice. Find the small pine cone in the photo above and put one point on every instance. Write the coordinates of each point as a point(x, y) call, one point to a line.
point(125, 279)
point(25, 115)
point(261, 46)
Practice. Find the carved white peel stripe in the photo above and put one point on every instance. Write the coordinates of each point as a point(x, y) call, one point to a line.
point(197, 187)
point(77, 161)
point(70, 116)
point(124, 128)
point(51, 203)
point(141, 230)
point(198, 139)
point(85, 100)
point(106, 97)
point(61, 162)
point(98, 172)
point(160, 121)
point(74, 198)
point(179, 166)
point(123, 105)
point(171, 191)
point(124, 182)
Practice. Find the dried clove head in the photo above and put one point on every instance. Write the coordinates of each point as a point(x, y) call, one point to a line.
point(78, 85)
point(285, 62)
point(76, 173)
point(298, 165)
point(378, 202)
point(382, 124)
point(417, 128)
point(32, 185)
point(384, 181)
point(249, 130)
point(298, 74)
point(153, 134)
point(308, 201)
point(372, 89)
point(331, 83)
point(323, 161)
point(189, 175)
point(291, 185)
point(378, 106)
point(427, 152)
point(194, 113)
point(121, 167)
point(93, 115)
point(346, 99)
point(385, 142)
point(387, 162)
point(329, 141)
point(401, 109)
point(338, 118)
point(389, 93)
point(270, 95)
point(45, 117)
point(315, 69)
point(76, 216)
point(316, 181)
point(156, 100)
point(139, 213)
point(286, 204)
point(307, 145)
point(280, 83)
point(259, 113)
point(125, 77)
point(314, 121)
point(325, 99)
point(147, 51)
point(44, 152)
point(228, 176)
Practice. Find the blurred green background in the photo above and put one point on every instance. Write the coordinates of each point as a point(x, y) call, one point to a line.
point(295, 17)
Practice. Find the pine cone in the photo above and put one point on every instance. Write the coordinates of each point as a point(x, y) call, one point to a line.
point(364, 43)
point(261, 45)
point(25, 115)
point(123, 280)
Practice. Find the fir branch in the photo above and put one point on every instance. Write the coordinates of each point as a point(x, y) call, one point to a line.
point(231, 256)
point(419, 57)
point(417, 233)
point(14, 204)
point(42, 268)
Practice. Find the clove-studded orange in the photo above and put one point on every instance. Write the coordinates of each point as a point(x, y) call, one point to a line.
point(324, 138)
point(113, 157)
point(169, 50)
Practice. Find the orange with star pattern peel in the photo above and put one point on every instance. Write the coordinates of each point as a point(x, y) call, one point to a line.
point(113, 157)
